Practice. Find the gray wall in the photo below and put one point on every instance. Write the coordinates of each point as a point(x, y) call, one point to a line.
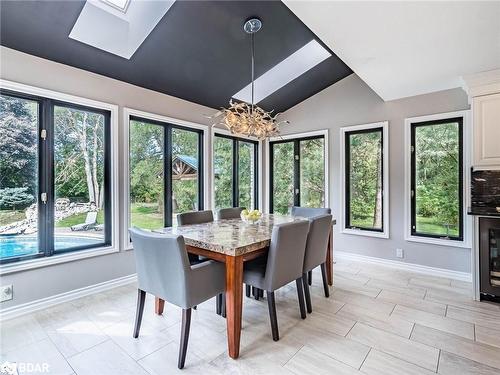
point(19, 67)
point(352, 102)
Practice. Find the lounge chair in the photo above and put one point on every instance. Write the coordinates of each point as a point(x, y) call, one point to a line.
point(90, 222)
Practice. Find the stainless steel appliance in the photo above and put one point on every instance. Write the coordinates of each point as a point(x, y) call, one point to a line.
point(489, 258)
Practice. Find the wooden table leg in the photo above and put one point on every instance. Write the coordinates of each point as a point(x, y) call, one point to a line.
point(159, 305)
point(234, 300)
point(329, 259)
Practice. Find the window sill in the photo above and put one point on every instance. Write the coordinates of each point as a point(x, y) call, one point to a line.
point(365, 233)
point(56, 259)
point(438, 241)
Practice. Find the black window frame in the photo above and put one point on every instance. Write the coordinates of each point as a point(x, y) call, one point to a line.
point(296, 167)
point(236, 168)
point(347, 177)
point(167, 165)
point(46, 174)
point(413, 195)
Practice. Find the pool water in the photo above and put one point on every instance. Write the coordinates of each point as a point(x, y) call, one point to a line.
point(15, 246)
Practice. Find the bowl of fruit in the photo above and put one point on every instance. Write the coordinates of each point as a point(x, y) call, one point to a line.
point(250, 216)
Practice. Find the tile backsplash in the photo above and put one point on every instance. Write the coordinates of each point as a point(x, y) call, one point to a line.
point(485, 189)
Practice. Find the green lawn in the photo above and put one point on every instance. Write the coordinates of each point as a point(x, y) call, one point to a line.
point(428, 225)
point(146, 216)
point(78, 219)
point(424, 225)
point(9, 216)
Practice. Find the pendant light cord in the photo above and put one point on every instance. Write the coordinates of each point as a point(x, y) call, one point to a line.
point(253, 68)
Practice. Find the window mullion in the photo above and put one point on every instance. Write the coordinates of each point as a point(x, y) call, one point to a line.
point(296, 172)
point(47, 173)
point(167, 175)
point(201, 171)
point(236, 174)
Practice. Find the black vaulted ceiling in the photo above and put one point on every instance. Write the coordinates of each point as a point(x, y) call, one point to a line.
point(197, 52)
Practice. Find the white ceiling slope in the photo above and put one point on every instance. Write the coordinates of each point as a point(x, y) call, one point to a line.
point(403, 49)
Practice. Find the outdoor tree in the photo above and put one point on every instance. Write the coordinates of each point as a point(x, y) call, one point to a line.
point(79, 154)
point(18, 143)
point(15, 198)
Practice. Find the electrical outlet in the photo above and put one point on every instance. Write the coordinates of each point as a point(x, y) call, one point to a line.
point(6, 293)
point(399, 253)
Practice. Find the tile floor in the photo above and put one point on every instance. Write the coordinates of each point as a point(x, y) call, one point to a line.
point(378, 320)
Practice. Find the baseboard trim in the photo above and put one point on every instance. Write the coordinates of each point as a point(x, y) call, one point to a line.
point(29, 307)
point(433, 271)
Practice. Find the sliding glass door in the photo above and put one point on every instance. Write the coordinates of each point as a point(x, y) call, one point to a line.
point(55, 177)
point(297, 173)
point(157, 197)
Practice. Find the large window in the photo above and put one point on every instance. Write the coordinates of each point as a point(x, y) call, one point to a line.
point(54, 177)
point(235, 172)
point(437, 178)
point(297, 173)
point(166, 172)
point(365, 178)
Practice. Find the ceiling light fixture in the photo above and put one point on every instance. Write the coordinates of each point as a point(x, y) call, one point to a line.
point(246, 119)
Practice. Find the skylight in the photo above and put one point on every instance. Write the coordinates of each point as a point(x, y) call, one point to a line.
point(299, 62)
point(118, 4)
point(118, 26)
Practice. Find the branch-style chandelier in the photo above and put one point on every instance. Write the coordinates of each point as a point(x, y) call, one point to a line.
point(249, 119)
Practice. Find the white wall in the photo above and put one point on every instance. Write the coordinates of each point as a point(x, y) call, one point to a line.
point(352, 102)
point(23, 68)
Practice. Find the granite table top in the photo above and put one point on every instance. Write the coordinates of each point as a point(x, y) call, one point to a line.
point(231, 237)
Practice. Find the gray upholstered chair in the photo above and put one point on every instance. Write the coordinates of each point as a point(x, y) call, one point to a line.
point(310, 212)
point(229, 213)
point(163, 270)
point(201, 217)
point(285, 261)
point(195, 217)
point(316, 248)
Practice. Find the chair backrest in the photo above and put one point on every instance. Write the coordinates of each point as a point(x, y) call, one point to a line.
point(229, 213)
point(310, 212)
point(162, 265)
point(285, 258)
point(195, 217)
point(317, 241)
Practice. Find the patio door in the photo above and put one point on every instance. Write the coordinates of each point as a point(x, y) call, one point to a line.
point(297, 173)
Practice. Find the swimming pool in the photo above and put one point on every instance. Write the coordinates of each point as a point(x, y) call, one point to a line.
point(15, 246)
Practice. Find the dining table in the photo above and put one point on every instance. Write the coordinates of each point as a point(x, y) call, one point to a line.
point(234, 242)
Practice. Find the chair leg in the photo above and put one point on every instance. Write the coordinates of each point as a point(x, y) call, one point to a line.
point(310, 277)
point(256, 293)
point(218, 304)
point(300, 295)
point(307, 293)
point(247, 290)
point(141, 297)
point(272, 315)
point(186, 323)
point(325, 281)
point(223, 305)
